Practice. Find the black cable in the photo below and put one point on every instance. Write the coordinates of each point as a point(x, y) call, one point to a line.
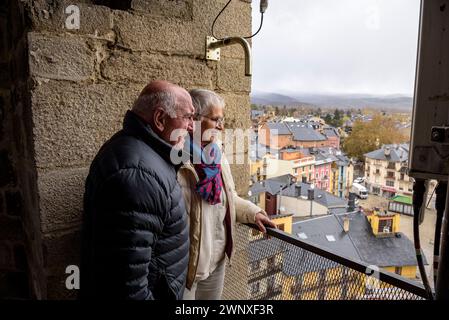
point(418, 200)
point(249, 37)
point(213, 24)
point(440, 205)
point(260, 27)
point(433, 191)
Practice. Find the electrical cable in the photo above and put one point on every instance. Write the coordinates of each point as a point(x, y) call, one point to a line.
point(433, 191)
point(260, 27)
point(213, 24)
point(418, 200)
point(262, 10)
point(440, 205)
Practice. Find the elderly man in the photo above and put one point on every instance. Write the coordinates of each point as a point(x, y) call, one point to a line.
point(135, 232)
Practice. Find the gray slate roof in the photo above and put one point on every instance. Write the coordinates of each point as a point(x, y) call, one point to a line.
point(330, 132)
point(273, 186)
point(304, 132)
point(360, 243)
point(265, 248)
point(280, 127)
point(398, 153)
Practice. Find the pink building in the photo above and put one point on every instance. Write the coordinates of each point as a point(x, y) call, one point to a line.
point(322, 173)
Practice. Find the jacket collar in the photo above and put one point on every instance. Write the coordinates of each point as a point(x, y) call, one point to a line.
point(135, 126)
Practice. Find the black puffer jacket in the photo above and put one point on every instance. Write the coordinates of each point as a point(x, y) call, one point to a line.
point(135, 233)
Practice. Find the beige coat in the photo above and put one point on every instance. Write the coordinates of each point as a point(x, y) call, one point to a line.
point(241, 210)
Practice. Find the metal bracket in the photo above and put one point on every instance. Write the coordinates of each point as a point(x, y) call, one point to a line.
point(440, 134)
point(212, 54)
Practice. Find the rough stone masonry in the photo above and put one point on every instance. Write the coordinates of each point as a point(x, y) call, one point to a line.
point(64, 91)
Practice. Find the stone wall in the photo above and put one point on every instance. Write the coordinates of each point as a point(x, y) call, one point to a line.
point(21, 259)
point(80, 84)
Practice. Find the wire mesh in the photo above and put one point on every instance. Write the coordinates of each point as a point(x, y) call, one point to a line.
point(271, 268)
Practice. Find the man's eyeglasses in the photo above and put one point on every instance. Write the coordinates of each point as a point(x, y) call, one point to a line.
point(219, 121)
point(186, 117)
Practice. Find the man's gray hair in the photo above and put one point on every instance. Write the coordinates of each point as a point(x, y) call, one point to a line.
point(203, 100)
point(148, 102)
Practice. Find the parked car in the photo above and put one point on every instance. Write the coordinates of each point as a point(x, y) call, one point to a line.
point(359, 180)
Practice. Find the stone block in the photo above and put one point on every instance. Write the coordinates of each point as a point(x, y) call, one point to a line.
point(2, 206)
point(237, 111)
point(14, 203)
point(4, 38)
point(62, 250)
point(143, 67)
point(5, 79)
point(6, 259)
point(60, 57)
point(181, 9)
point(71, 121)
point(231, 76)
point(240, 173)
point(152, 33)
point(14, 285)
point(94, 21)
point(20, 257)
point(61, 198)
point(2, 114)
point(7, 173)
point(11, 229)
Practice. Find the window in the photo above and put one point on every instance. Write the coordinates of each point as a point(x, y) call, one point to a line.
point(270, 283)
point(255, 265)
point(398, 270)
point(385, 225)
point(390, 183)
point(400, 188)
point(271, 261)
point(402, 176)
point(255, 287)
point(377, 171)
point(281, 226)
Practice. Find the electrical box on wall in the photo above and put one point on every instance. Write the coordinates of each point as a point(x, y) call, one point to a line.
point(429, 149)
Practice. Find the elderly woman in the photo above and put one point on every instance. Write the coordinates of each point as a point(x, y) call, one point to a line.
point(212, 203)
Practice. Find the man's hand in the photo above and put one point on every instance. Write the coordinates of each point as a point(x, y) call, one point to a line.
point(262, 219)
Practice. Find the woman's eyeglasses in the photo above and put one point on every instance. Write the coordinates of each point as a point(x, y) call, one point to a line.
point(219, 121)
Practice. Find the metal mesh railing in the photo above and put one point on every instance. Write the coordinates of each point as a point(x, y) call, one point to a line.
point(281, 267)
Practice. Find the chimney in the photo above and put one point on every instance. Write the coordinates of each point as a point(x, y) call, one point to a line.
point(351, 202)
point(346, 224)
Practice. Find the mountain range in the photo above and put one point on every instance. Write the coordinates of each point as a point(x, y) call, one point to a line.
point(344, 101)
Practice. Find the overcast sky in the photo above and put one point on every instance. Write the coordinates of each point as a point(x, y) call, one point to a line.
point(336, 46)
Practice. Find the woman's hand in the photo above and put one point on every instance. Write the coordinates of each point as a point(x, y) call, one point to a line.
point(262, 220)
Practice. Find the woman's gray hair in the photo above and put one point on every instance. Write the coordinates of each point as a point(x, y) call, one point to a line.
point(148, 102)
point(203, 100)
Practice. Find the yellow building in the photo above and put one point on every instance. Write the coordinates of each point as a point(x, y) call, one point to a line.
point(282, 271)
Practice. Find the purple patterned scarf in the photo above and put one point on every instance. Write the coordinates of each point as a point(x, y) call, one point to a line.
point(209, 171)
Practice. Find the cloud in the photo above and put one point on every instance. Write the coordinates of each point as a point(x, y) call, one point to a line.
point(345, 46)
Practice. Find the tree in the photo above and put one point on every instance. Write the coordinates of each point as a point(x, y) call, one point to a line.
point(370, 136)
point(327, 118)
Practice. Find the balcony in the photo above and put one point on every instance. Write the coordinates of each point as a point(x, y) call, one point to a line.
point(306, 271)
point(266, 272)
point(269, 294)
point(391, 166)
point(391, 177)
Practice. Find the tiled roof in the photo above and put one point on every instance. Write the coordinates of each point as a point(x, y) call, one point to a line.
point(397, 153)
